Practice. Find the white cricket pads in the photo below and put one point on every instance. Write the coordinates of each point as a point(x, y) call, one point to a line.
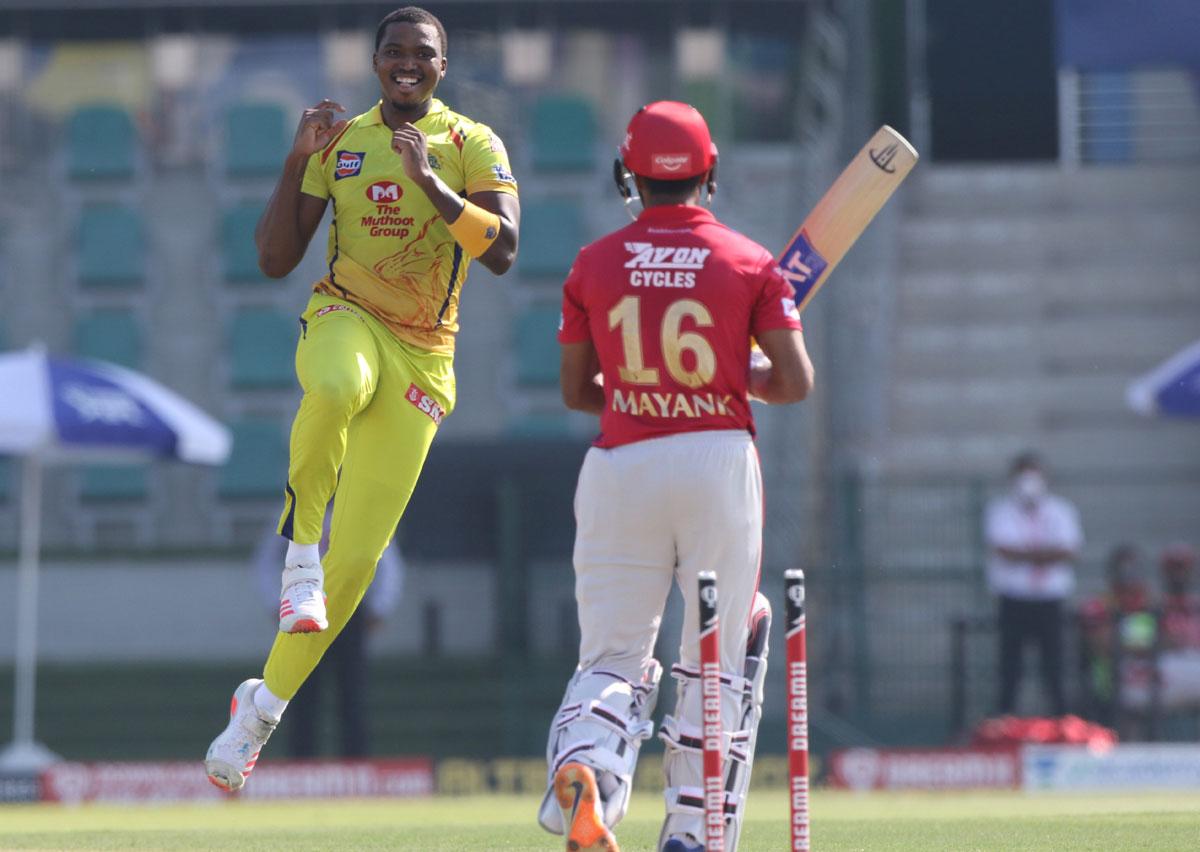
point(602, 722)
point(683, 762)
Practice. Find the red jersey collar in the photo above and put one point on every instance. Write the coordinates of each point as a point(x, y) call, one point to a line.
point(676, 214)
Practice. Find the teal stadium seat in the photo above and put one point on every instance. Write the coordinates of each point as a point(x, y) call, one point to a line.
point(257, 467)
point(706, 96)
point(111, 251)
point(101, 143)
point(1110, 99)
point(239, 254)
point(110, 335)
point(537, 346)
point(262, 347)
point(256, 139)
point(552, 233)
point(109, 483)
point(564, 134)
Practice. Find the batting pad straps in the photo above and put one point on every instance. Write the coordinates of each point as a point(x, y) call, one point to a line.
point(475, 229)
point(735, 683)
point(602, 722)
point(690, 801)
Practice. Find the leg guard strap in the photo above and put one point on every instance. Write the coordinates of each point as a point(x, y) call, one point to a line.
point(602, 722)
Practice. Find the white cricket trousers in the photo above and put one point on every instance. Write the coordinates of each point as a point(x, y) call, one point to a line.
point(660, 510)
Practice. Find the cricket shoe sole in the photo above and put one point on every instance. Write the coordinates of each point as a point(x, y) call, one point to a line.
point(579, 800)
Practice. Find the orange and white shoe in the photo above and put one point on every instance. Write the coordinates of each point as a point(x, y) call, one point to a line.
point(302, 601)
point(234, 752)
point(579, 801)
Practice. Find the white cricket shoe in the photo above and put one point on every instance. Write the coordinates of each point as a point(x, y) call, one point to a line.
point(302, 601)
point(234, 752)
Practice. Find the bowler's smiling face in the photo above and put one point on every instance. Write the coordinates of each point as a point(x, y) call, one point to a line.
point(409, 63)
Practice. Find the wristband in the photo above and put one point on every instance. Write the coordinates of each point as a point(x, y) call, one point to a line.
point(475, 229)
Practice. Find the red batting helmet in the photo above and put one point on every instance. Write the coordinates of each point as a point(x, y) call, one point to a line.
point(668, 140)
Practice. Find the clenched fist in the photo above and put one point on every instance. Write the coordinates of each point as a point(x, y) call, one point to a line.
point(318, 127)
point(409, 143)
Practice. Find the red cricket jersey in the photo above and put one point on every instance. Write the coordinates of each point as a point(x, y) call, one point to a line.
point(670, 303)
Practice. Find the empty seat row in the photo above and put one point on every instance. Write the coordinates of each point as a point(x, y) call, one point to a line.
point(261, 344)
point(256, 469)
point(112, 245)
point(102, 139)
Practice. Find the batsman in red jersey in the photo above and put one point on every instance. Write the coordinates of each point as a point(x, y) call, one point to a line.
point(658, 324)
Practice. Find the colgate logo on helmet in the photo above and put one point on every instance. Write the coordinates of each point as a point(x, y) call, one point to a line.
point(672, 162)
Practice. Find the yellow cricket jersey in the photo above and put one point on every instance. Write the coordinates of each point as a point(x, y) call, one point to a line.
point(389, 250)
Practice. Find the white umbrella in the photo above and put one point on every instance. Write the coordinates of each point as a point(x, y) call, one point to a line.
point(61, 410)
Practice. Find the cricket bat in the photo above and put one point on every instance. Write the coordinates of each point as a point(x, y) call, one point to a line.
point(844, 212)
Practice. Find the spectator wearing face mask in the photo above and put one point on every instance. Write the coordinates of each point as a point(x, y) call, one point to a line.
point(1033, 540)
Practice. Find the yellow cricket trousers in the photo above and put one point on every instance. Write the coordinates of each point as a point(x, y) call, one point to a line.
point(370, 409)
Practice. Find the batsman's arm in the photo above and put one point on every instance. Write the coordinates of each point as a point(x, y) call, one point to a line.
point(579, 375)
point(788, 374)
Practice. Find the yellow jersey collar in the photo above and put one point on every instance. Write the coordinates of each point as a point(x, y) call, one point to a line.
point(375, 115)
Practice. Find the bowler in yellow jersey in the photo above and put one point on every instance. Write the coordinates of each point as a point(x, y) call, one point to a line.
point(418, 192)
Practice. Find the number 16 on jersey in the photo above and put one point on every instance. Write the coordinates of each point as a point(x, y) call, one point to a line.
point(844, 212)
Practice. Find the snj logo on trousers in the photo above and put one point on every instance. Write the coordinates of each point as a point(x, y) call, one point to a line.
point(674, 265)
point(349, 164)
point(424, 403)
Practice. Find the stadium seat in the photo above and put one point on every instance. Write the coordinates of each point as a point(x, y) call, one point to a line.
point(537, 346)
point(240, 256)
point(101, 143)
point(551, 234)
point(256, 139)
point(262, 347)
point(257, 467)
point(110, 335)
point(706, 96)
point(114, 482)
point(564, 134)
point(111, 247)
point(1108, 102)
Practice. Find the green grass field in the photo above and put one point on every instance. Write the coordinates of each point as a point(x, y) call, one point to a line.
point(989, 822)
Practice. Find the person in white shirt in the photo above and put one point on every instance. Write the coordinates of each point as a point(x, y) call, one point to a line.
point(1033, 540)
